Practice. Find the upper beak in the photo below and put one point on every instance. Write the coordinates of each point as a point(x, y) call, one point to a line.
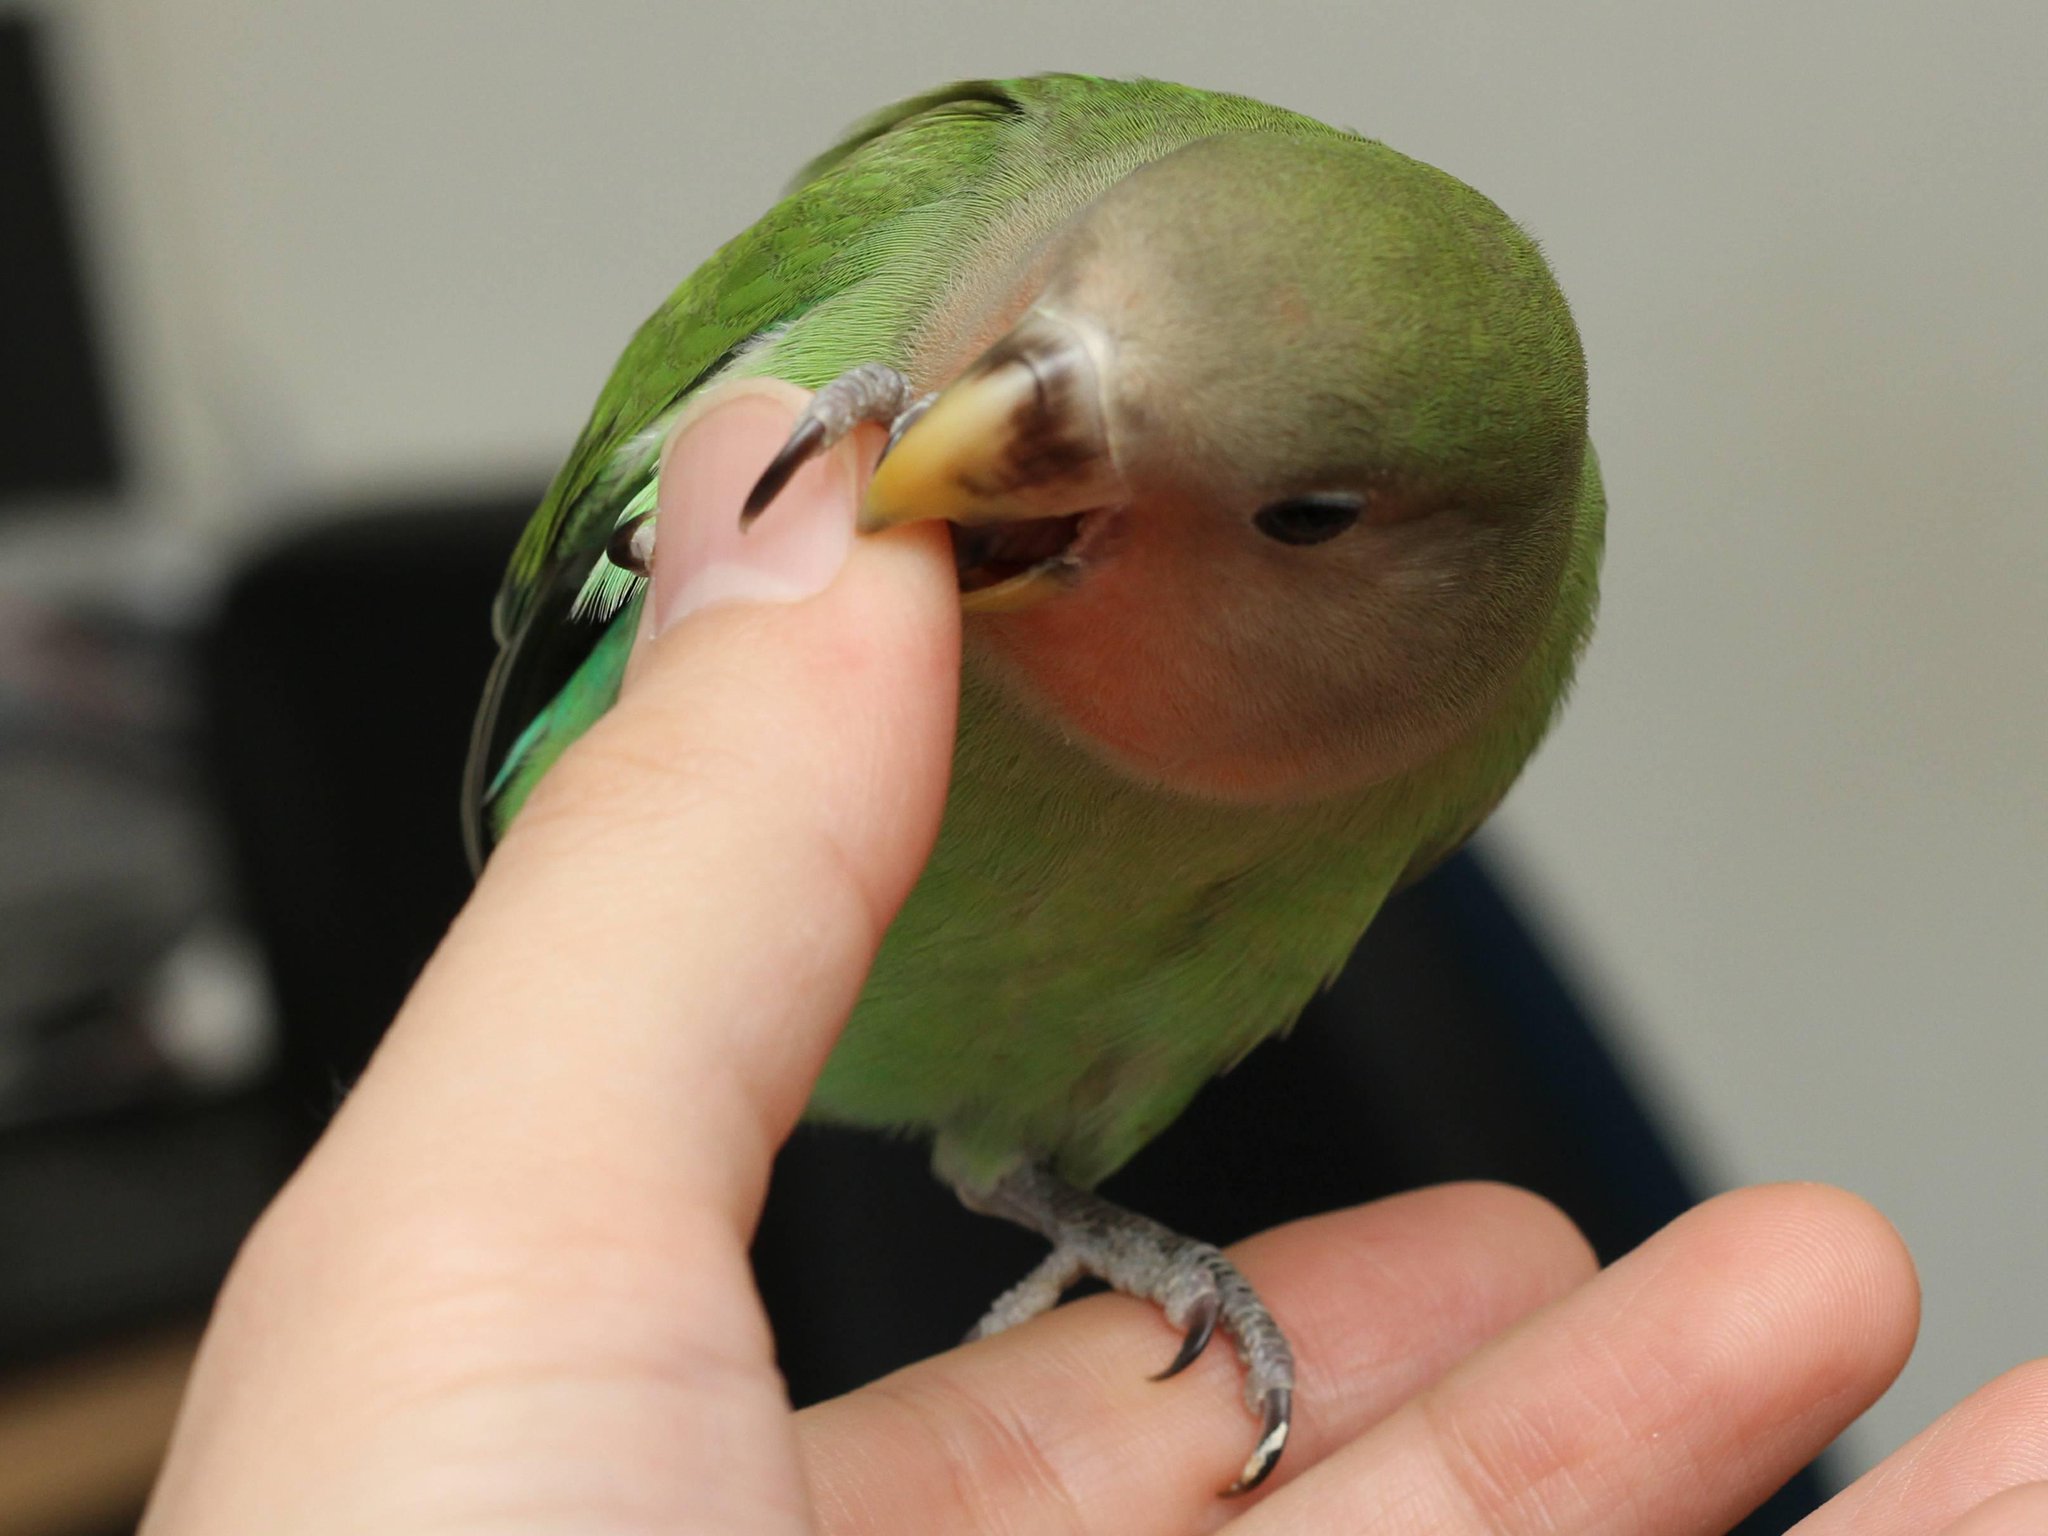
point(1021, 435)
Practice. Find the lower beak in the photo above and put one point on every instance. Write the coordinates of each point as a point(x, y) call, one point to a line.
point(1019, 439)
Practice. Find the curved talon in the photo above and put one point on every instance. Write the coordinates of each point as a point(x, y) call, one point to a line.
point(865, 392)
point(631, 546)
point(905, 420)
point(804, 443)
point(1265, 1456)
point(1201, 1326)
point(1192, 1281)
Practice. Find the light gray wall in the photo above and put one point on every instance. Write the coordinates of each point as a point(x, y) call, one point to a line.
point(1793, 830)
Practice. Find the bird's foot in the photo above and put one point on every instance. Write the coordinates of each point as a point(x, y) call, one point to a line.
point(631, 547)
point(1192, 1282)
point(869, 392)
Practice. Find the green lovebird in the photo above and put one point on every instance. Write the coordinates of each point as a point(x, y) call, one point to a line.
point(1264, 453)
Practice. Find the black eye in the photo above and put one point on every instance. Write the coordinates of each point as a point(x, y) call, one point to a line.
point(1309, 519)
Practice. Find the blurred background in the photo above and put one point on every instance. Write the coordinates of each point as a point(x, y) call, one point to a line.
point(303, 302)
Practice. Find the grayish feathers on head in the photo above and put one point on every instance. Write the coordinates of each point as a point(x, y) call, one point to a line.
point(1291, 318)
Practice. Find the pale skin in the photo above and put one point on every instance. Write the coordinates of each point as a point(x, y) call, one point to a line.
point(509, 1289)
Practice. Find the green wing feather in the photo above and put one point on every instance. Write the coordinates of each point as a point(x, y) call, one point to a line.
point(553, 677)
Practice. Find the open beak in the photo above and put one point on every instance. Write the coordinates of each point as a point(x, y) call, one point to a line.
point(1015, 455)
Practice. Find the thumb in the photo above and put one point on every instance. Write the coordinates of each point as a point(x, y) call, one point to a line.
point(685, 910)
point(515, 1267)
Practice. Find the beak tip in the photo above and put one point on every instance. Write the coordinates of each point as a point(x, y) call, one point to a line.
point(896, 494)
point(960, 460)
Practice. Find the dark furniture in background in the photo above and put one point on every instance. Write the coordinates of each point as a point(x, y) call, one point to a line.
point(59, 434)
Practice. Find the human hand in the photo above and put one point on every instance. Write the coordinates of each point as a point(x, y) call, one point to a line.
point(509, 1290)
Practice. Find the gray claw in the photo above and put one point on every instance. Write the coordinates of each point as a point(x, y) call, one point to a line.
point(908, 418)
point(631, 547)
point(1275, 1423)
point(804, 443)
point(1196, 1286)
point(868, 392)
point(1201, 1327)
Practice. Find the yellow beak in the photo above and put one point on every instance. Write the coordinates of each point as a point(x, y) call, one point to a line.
point(1019, 437)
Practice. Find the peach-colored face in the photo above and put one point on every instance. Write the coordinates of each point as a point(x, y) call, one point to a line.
point(1197, 654)
point(1414, 366)
point(1195, 650)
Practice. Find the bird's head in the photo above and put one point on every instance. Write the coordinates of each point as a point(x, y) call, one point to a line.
point(1269, 492)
